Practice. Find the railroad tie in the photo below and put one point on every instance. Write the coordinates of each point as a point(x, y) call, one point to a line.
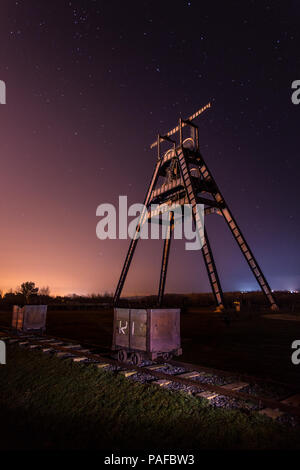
point(294, 400)
point(231, 386)
point(207, 395)
point(155, 366)
point(102, 365)
point(79, 359)
point(273, 413)
point(236, 386)
point(191, 374)
point(46, 340)
point(127, 373)
point(62, 353)
point(161, 382)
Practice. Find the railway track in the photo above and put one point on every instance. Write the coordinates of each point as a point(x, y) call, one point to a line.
point(247, 392)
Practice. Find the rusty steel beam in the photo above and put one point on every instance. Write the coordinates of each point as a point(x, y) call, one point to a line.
point(206, 249)
point(165, 259)
point(237, 234)
point(135, 239)
point(185, 122)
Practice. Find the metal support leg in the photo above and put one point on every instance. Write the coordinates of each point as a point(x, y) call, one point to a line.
point(135, 239)
point(206, 250)
point(212, 273)
point(237, 234)
point(165, 259)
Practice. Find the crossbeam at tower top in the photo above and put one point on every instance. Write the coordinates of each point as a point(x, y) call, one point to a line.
point(185, 122)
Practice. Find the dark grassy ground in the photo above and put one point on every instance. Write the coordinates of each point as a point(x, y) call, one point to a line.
point(252, 343)
point(50, 403)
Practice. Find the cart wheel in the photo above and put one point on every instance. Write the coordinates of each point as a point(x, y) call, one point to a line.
point(166, 356)
point(136, 359)
point(122, 355)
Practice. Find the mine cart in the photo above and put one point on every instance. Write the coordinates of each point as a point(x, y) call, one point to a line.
point(140, 334)
point(29, 318)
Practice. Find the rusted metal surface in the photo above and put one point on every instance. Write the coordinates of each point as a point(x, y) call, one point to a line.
point(237, 234)
point(29, 317)
point(184, 123)
point(165, 260)
point(152, 331)
point(135, 239)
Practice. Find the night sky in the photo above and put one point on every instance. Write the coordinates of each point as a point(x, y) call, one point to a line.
point(89, 85)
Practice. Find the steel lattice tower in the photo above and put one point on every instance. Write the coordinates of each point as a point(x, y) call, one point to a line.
point(188, 180)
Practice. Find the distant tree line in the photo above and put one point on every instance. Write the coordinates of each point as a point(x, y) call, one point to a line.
point(29, 293)
point(248, 300)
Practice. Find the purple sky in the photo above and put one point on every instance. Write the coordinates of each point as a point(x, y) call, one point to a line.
point(89, 85)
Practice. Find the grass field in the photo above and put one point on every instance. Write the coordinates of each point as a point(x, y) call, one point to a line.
point(50, 403)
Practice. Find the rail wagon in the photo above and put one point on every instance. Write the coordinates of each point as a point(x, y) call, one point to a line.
point(29, 318)
point(146, 334)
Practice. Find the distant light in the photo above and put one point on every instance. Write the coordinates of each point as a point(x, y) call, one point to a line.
point(244, 289)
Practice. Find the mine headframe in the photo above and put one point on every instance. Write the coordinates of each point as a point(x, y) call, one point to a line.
point(182, 177)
